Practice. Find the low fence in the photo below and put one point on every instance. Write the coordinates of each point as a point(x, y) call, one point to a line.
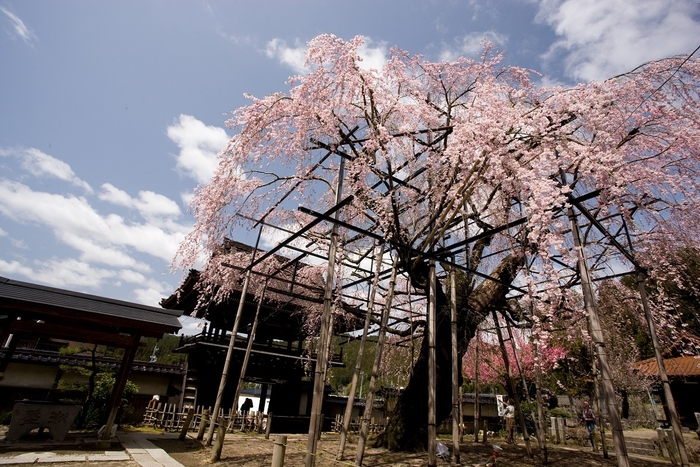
point(375, 426)
point(170, 417)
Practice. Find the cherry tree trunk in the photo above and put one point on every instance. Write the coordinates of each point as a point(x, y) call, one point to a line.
point(407, 429)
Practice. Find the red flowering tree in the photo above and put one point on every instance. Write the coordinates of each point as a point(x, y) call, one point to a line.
point(491, 367)
point(439, 151)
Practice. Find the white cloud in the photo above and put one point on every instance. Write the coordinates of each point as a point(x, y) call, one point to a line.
point(19, 29)
point(199, 145)
point(92, 252)
point(149, 296)
point(14, 268)
point(41, 164)
point(373, 56)
point(2, 233)
point(64, 273)
point(603, 38)
point(70, 216)
point(293, 57)
point(148, 204)
point(471, 45)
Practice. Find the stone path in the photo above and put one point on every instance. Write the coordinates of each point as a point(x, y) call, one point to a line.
point(146, 453)
point(136, 447)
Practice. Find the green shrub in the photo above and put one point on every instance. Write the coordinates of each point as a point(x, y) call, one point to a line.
point(559, 412)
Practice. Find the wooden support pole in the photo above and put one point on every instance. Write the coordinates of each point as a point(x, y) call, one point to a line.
point(360, 353)
point(268, 425)
point(456, 367)
point(186, 425)
point(668, 395)
point(278, 451)
point(231, 345)
point(477, 405)
point(326, 333)
point(227, 363)
point(246, 358)
point(203, 424)
point(539, 433)
point(219, 444)
point(511, 383)
point(596, 334)
point(432, 379)
point(540, 402)
point(381, 341)
point(119, 385)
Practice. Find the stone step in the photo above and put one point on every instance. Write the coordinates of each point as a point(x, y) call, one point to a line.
point(639, 446)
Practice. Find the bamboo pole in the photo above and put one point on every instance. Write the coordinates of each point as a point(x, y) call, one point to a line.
point(456, 399)
point(360, 353)
point(325, 334)
point(381, 341)
point(511, 383)
point(596, 334)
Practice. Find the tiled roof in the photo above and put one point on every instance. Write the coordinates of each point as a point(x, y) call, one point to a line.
point(17, 291)
point(675, 367)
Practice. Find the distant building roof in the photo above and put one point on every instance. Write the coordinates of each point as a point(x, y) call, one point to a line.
point(675, 367)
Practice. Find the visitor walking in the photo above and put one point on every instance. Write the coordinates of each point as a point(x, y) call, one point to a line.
point(509, 415)
point(588, 418)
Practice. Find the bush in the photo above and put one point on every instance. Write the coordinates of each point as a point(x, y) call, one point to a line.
point(559, 412)
point(96, 411)
point(6, 418)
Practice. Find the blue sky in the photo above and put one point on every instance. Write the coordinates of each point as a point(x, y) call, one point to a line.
point(112, 112)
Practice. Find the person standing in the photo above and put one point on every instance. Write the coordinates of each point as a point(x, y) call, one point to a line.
point(588, 418)
point(509, 415)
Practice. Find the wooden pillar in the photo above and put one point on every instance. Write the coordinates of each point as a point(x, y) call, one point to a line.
point(596, 334)
point(668, 395)
point(381, 342)
point(119, 385)
point(511, 382)
point(536, 419)
point(326, 332)
point(231, 346)
point(360, 353)
point(432, 379)
point(263, 397)
point(456, 399)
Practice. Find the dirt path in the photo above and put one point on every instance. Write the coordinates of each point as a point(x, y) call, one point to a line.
point(256, 451)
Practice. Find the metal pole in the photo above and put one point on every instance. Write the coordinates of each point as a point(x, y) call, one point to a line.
point(325, 332)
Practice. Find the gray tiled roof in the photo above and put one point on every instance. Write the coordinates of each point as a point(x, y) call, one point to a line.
point(12, 290)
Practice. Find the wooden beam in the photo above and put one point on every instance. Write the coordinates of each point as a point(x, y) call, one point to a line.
point(119, 386)
point(76, 333)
